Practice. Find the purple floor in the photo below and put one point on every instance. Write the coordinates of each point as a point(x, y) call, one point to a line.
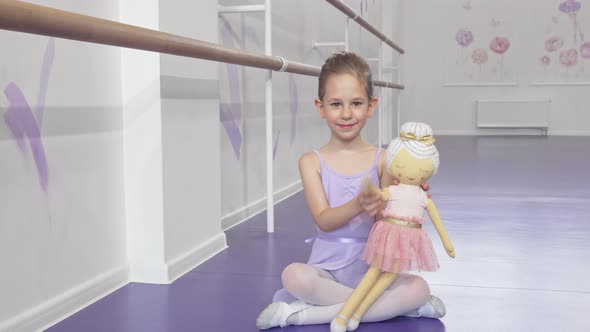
point(516, 208)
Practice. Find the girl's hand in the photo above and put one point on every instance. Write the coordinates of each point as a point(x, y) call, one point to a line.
point(424, 186)
point(370, 198)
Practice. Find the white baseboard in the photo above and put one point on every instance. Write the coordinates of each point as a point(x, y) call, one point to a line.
point(569, 133)
point(454, 133)
point(491, 132)
point(149, 274)
point(168, 272)
point(67, 303)
point(237, 217)
point(62, 306)
point(496, 132)
point(182, 264)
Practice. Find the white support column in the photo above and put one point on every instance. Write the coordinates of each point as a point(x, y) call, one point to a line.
point(172, 198)
point(269, 132)
point(379, 94)
point(390, 118)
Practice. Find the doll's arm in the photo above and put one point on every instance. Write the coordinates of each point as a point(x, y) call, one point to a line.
point(440, 228)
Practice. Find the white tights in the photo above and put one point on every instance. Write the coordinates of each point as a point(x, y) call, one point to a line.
point(318, 287)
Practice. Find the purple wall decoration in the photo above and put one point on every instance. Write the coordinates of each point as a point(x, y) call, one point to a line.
point(464, 37)
point(23, 123)
point(571, 7)
point(231, 114)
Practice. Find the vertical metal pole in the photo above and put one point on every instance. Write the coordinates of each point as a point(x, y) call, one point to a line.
point(380, 94)
point(270, 227)
point(399, 95)
point(346, 35)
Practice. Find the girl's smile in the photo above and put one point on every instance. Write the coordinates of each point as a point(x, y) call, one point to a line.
point(346, 126)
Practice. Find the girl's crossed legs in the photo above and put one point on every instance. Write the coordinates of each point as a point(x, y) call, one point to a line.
point(323, 290)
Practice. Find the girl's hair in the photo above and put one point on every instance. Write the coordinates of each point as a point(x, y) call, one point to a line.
point(346, 63)
point(417, 139)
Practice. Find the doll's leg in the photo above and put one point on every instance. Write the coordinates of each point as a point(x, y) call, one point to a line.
point(357, 296)
point(386, 279)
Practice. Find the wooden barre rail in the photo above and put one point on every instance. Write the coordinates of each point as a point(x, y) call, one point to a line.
point(29, 18)
point(343, 7)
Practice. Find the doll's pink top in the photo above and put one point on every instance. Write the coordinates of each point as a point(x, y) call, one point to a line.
point(406, 202)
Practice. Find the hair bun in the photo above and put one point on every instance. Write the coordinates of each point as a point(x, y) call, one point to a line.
point(418, 128)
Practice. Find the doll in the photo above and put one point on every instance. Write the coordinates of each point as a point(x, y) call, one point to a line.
point(397, 243)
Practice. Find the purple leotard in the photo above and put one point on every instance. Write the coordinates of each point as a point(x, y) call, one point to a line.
point(340, 251)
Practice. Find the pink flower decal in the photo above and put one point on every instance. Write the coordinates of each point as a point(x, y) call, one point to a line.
point(568, 57)
point(585, 50)
point(554, 43)
point(479, 56)
point(499, 45)
point(545, 60)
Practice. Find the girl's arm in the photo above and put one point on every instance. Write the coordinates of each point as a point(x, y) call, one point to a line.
point(373, 200)
point(326, 218)
point(440, 228)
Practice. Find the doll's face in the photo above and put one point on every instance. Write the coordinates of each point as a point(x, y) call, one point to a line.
point(409, 170)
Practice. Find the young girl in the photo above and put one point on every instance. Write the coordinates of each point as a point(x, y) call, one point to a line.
point(397, 243)
point(332, 176)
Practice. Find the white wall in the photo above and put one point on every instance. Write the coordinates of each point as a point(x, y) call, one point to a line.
point(70, 239)
point(131, 146)
point(434, 58)
point(295, 25)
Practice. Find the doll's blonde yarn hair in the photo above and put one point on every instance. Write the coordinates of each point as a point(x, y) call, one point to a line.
point(418, 140)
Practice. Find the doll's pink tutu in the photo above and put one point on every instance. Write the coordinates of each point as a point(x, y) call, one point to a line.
point(395, 248)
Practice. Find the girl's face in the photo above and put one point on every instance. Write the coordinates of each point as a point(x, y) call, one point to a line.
point(346, 106)
point(409, 170)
